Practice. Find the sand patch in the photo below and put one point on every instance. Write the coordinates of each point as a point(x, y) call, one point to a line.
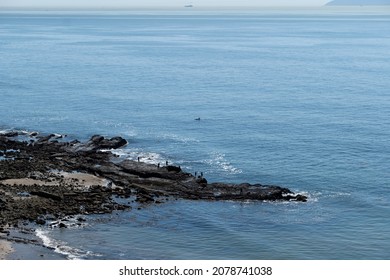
point(85, 178)
point(5, 249)
point(60, 177)
point(27, 182)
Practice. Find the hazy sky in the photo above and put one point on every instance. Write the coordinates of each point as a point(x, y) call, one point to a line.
point(157, 3)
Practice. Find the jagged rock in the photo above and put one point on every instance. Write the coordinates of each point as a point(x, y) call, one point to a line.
point(10, 133)
point(201, 182)
point(96, 143)
point(99, 142)
point(62, 225)
point(40, 221)
point(172, 168)
point(149, 183)
point(46, 195)
point(3, 204)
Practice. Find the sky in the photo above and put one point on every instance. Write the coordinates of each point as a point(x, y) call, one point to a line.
point(158, 3)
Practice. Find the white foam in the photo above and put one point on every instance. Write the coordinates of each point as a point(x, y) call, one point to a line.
point(177, 138)
point(122, 128)
point(144, 156)
point(219, 160)
point(12, 151)
point(5, 131)
point(62, 247)
point(315, 196)
point(311, 196)
point(19, 131)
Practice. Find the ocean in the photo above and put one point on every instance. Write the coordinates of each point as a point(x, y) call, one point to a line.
point(299, 99)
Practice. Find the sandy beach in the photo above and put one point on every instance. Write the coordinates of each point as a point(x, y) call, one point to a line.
point(5, 249)
point(46, 183)
point(23, 244)
point(22, 251)
point(10, 250)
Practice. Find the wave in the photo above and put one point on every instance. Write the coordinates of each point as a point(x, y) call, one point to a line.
point(62, 247)
point(127, 129)
point(144, 156)
point(178, 138)
point(219, 161)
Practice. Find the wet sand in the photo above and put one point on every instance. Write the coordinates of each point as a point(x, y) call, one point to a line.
point(82, 180)
point(21, 251)
point(23, 244)
point(5, 249)
point(26, 251)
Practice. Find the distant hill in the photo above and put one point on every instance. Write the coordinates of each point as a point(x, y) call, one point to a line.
point(358, 2)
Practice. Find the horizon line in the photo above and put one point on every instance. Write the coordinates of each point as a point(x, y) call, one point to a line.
point(154, 7)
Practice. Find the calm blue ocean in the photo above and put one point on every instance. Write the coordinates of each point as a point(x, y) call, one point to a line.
point(297, 99)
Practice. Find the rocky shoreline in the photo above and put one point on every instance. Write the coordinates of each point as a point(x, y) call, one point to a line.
point(44, 178)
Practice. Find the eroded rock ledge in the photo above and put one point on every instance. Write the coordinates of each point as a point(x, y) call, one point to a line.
point(46, 177)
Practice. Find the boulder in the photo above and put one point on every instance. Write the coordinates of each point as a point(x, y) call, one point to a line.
point(98, 142)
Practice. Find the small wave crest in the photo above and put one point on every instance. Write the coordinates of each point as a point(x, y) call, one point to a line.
point(61, 247)
point(127, 129)
point(178, 138)
point(330, 194)
point(219, 160)
point(144, 156)
point(315, 196)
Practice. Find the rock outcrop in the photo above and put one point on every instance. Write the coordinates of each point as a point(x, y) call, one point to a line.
point(42, 176)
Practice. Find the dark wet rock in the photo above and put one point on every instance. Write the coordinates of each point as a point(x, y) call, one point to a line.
point(10, 133)
point(98, 142)
point(129, 180)
point(298, 197)
point(46, 195)
point(44, 139)
point(172, 168)
point(201, 181)
point(62, 225)
point(81, 219)
point(40, 221)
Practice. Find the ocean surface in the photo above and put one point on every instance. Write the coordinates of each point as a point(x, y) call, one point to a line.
point(299, 99)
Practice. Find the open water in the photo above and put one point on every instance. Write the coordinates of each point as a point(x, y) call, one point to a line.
point(299, 99)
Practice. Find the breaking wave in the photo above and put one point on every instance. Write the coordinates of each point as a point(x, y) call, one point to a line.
point(62, 247)
point(219, 160)
point(144, 156)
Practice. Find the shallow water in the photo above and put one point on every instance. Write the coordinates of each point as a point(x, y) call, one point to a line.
point(294, 99)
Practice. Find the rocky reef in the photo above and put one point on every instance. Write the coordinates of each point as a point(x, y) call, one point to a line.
point(45, 177)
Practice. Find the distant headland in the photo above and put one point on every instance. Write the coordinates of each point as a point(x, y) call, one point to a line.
point(358, 3)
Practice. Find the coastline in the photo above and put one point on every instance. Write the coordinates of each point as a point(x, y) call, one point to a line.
point(46, 181)
point(27, 251)
point(5, 249)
